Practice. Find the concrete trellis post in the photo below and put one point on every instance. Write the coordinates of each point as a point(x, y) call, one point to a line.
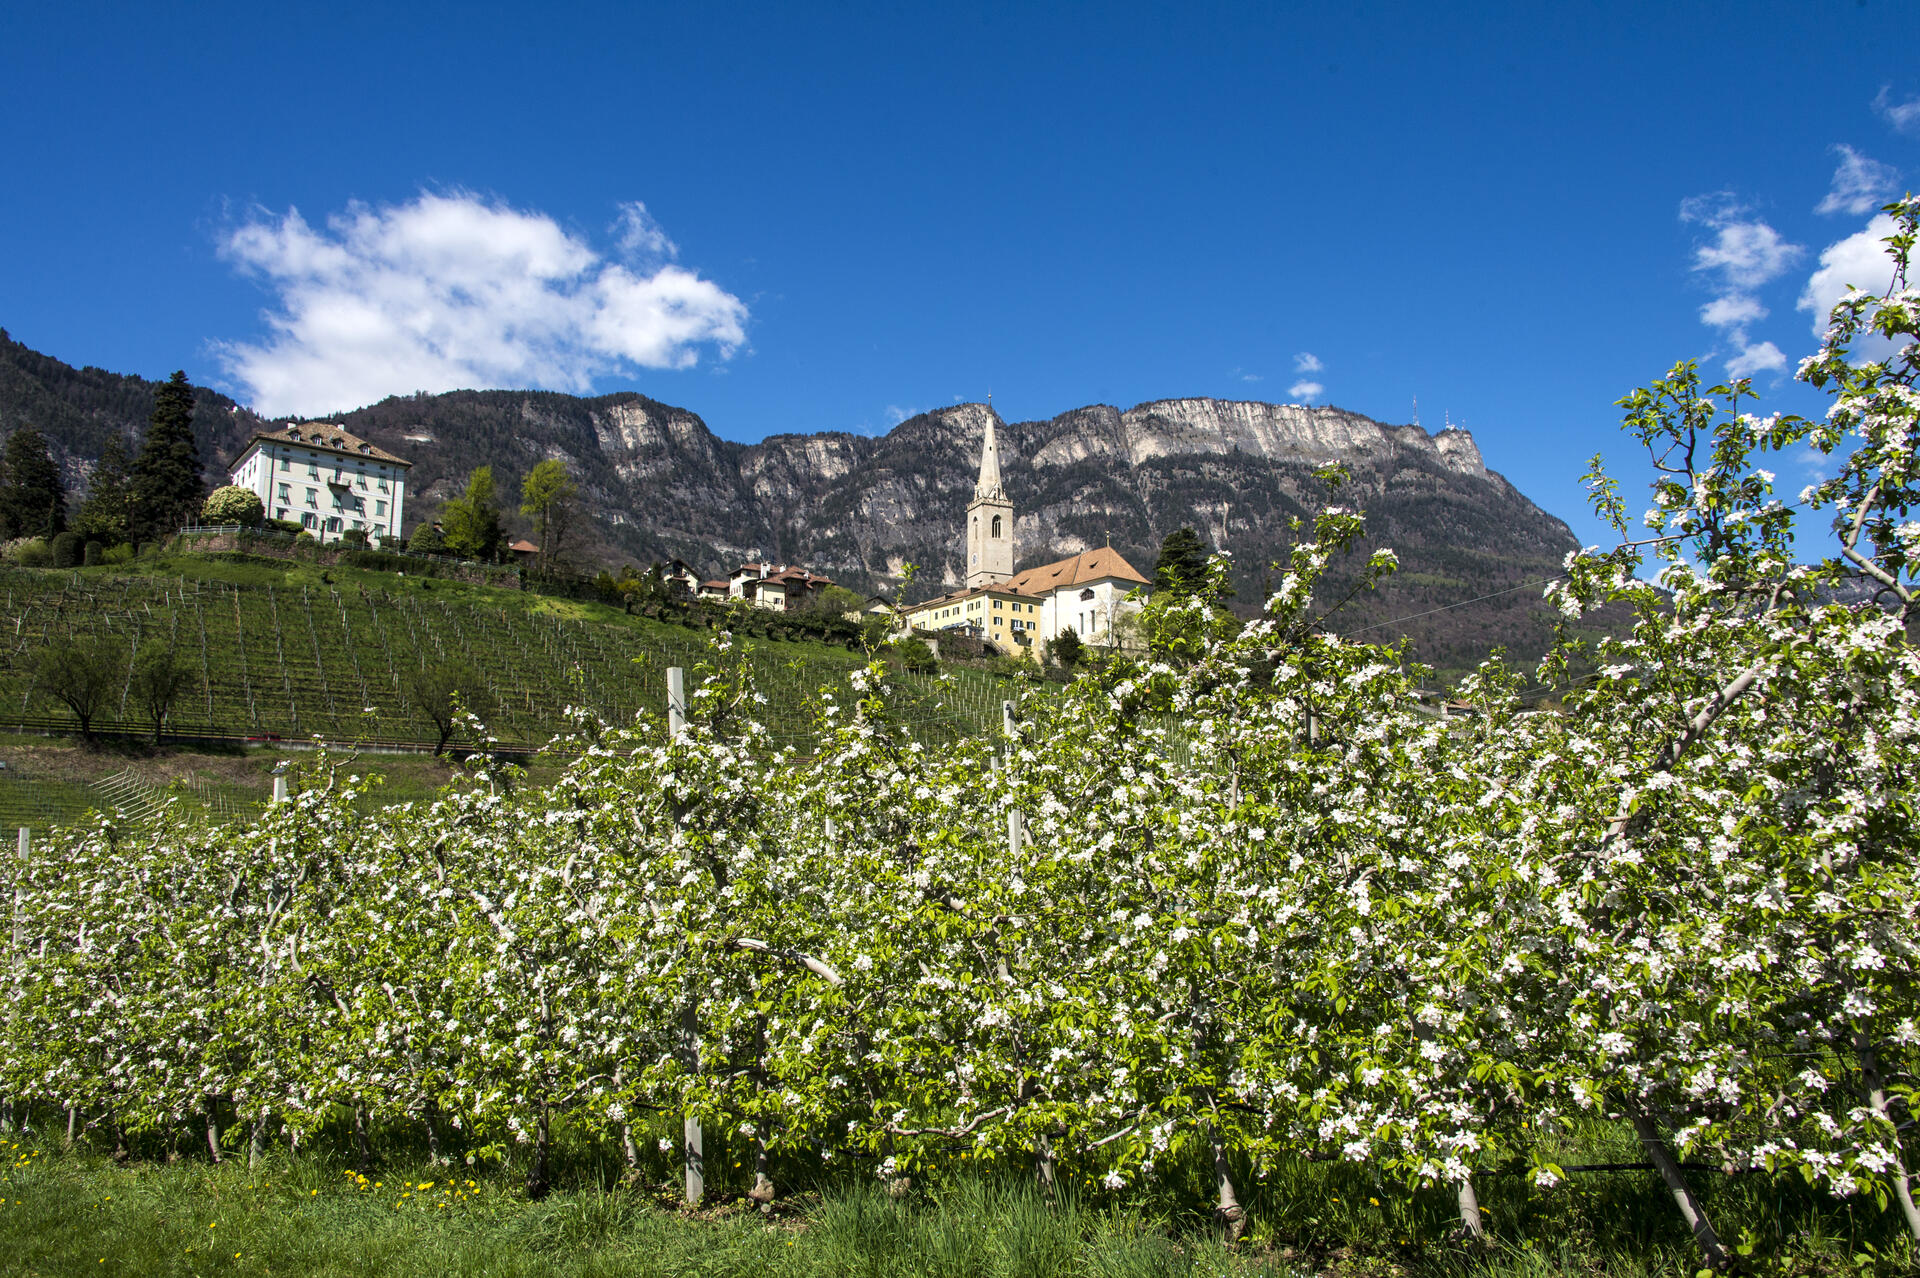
point(15, 958)
point(1016, 823)
point(691, 1149)
point(280, 782)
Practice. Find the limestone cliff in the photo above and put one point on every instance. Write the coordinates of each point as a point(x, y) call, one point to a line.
point(656, 482)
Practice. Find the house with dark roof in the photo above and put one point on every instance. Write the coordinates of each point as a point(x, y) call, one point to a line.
point(329, 481)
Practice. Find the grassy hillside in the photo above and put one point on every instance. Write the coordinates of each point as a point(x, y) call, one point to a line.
point(291, 652)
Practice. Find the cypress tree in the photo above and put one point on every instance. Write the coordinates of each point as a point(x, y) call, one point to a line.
point(106, 513)
point(167, 484)
point(33, 501)
point(1182, 567)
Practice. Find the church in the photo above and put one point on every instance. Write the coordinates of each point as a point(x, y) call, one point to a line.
point(1018, 612)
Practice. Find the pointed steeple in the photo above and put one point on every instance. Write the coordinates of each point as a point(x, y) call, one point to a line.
point(989, 488)
point(989, 518)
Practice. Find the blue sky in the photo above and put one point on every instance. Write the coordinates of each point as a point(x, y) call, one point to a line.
point(792, 219)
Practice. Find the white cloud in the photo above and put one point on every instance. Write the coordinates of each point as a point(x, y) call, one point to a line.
point(1859, 261)
point(1732, 310)
point(1305, 392)
point(1744, 254)
point(1904, 116)
point(1759, 357)
point(1307, 362)
point(455, 291)
point(1860, 185)
point(641, 238)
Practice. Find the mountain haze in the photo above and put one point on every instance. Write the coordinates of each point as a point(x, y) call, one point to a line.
point(657, 483)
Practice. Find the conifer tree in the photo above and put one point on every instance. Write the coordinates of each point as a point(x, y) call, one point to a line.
point(1182, 567)
point(167, 483)
point(33, 500)
point(106, 513)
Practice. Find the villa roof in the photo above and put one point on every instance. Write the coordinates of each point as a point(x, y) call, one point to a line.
point(323, 437)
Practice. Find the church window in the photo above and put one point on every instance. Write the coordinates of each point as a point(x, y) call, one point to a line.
point(996, 525)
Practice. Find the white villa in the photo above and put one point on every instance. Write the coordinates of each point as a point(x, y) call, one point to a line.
point(328, 480)
point(1086, 594)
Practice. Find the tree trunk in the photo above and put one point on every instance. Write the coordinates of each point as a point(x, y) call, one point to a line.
point(1043, 1165)
point(1229, 1214)
point(537, 1173)
point(631, 1149)
point(257, 1144)
point(360, 1139)
point(73, 1117)
point(213, 1128)
point(121, 1154)
point(762, 1193)
point(434, 1152)
point(1470, 1220)
point(1875, 1087)
point(1711, 1248)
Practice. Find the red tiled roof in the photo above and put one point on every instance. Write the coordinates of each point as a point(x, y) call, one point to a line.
point(1088, 565)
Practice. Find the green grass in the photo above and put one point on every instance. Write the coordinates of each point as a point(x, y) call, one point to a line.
point(313, 1213)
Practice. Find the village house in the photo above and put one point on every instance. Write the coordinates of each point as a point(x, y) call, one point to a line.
point(329, 481)
point(1086, 593)
point(777, 587)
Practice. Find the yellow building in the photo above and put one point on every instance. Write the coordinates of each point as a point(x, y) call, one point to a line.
point(1016, 612)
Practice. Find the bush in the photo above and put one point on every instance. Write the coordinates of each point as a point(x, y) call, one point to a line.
point(93, 554)
point(233, 505)
point(68, 549)
point(28, 552)
point(292, 526)
point(303, 538)
point(120, 554)
point(914, 656)
point(355, 537)
point(428, 540)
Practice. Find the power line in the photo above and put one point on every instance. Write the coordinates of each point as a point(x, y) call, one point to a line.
point(1414, 616)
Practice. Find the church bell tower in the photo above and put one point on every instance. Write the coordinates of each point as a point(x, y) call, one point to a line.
point(989, 519)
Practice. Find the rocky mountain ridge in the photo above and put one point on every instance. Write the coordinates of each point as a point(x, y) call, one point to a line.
point(656, 482)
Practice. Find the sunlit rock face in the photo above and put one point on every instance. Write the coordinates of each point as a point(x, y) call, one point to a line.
point(655, 482)
point(659, 483)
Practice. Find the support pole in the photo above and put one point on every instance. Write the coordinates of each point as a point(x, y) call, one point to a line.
point(676, 700)
point(280, 782)
point(1016, 821)
point(15, 960)
point(26, 843)
point(691, 1150)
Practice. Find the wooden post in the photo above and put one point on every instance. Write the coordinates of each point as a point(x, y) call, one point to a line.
point(691, 1151)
